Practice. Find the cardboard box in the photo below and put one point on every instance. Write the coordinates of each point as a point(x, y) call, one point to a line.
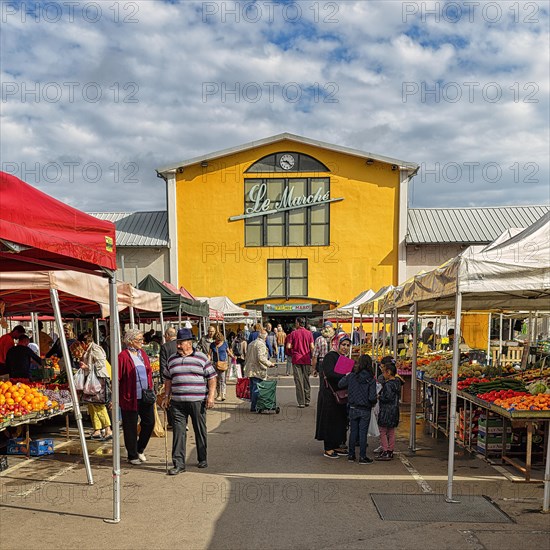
point(493, 430)
point(490, 422)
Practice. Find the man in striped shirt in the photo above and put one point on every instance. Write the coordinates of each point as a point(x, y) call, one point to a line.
point(189, 387)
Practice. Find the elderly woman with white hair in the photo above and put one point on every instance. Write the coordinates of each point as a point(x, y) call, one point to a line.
point(134, 376)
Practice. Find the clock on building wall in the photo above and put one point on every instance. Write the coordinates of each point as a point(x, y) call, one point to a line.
point(287, 161)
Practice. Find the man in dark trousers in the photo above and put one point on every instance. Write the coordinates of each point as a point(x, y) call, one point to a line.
point(189, 387)
point(167, 349)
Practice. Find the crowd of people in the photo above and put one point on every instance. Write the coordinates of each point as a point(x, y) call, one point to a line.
point(194, 377)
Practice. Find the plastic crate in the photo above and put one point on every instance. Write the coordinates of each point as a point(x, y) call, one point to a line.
point(39, 447)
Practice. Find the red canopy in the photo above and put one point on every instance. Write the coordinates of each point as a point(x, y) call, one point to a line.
point(38, 230)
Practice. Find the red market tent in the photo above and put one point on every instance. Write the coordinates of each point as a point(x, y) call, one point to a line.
point(38, 230)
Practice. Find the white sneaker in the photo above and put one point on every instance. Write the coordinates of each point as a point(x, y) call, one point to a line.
point(142, 457)
point(135, 461)
point(378, 451)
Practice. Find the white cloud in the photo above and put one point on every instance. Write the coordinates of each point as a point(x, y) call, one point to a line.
point(162, 81)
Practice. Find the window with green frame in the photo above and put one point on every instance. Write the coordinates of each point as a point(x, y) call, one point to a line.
point(286, 278)
point(300, 227)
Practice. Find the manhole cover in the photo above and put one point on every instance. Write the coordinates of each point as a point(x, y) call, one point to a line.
point(433, 508)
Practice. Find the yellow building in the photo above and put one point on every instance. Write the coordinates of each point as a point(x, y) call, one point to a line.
point(287, 223)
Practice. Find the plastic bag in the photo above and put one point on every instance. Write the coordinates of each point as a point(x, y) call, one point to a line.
point(80, 379)
point(373, 427)
point(158, 430)
point(92, 385)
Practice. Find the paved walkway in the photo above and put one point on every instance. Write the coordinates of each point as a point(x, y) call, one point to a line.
point(267, 486)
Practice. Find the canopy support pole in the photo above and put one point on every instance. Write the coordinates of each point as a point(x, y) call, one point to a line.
point(115, 350)
point(454, 392)
point(489, 337)
point(179, 316)
point(35, 330)
point(96, 325)
point(412, 441)
point(384, 336)
point(162, 330)
point(395, 334)
point(132, 318)
point(372, 341)
point(352, 329)
point(500, 339)
point(54, 297)
point(546, 499)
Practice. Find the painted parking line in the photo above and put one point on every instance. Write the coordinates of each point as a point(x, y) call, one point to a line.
point(423, 484)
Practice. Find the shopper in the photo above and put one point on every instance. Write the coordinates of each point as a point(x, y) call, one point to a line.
point(388, 417)
point(300, 345)
point(281, 337)
point(206, 341)
point(20, 358)
point(189, 386)
point(331, 422)
point(219, 356)
point(239, 347)
point(428, 336)
point(135, 375)
point(256, 365)
point(361, 398)
point(321, 347)
point(94, 361)
point(271, 341)
point(57, 349)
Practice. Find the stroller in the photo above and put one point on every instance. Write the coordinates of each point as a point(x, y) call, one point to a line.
point(267, 396)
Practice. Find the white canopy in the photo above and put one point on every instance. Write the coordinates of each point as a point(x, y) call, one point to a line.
point(350, 310)
point(130, 296)
point(507, 275)
point(232, 313)
point(371, 306)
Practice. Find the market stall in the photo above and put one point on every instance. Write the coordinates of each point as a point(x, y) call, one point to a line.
point(512, 274)
point(232, 313)
point(39, 232)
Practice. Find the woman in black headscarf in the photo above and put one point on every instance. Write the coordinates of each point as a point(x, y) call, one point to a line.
point(331, 423)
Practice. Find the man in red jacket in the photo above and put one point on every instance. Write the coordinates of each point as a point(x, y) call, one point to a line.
point(300, 346)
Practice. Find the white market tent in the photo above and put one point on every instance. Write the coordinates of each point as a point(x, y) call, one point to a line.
point(350, 311)
point(510, 274)
point(232, 313)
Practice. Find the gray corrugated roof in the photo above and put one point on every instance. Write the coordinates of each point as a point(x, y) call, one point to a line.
point(138, 228)
point(468, 225)
point(404, 165)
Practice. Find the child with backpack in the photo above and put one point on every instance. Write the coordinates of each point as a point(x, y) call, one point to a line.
point(388, 417)
point(361, 398)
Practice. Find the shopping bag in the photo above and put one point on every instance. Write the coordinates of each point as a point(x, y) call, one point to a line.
point(92, 386)
point(373, 427)
point(158, 430)
point(80, 379)
point(232, 374)
point(243, 388)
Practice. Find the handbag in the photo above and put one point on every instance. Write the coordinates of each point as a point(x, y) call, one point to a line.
point(340, 396)
point(148, 396)
point(222, 365)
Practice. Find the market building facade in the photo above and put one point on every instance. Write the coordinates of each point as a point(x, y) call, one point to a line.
point(287, 224)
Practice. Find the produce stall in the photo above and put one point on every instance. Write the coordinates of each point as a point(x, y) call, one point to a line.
point(506, 276)
point(40, 232)
point(494, 413)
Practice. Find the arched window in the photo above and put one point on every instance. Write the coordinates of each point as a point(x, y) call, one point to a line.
point(287, 161)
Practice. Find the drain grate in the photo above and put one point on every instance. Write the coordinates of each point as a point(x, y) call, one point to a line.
point(433, 508)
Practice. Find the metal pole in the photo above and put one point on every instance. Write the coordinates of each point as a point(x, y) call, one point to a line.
point(500, 339)
point(162, 326)
point(96, 322)
point(115, 350)
point(395, 327)
point(132, 319)
point(454, 391)
point(546, 499)
point(384, 337)
point(54, 297)
point(489, 336)
point(179, 316)
point(372, 341)
point(122, 266)
point(412, 441)
point(352, 328)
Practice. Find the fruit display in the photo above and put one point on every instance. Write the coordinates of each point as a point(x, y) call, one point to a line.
point(493, 395)
point(526, 402)
point(539, 386)
point(155, 365)
point(20, 400)
point(495, 384)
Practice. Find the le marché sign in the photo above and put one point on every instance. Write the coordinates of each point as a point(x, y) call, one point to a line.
point(263, 206)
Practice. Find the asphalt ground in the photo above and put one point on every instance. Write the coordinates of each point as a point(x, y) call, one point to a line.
point(267, 486)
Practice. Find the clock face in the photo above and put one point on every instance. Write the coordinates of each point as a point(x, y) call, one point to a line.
point(287, 161)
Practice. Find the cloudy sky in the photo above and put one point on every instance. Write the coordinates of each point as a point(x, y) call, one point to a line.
point(96, 95)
